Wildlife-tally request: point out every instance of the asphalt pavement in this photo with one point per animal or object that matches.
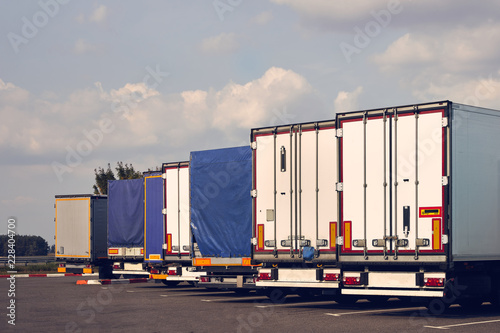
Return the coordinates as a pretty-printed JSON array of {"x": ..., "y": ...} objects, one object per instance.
[{"x": 50, "y": 305}]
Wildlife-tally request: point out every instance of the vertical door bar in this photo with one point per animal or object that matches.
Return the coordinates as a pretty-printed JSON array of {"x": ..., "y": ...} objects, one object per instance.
[
  {"x": 179, "y": 208},
  {"x": 416, "y": 183},
  {"x": 364, "y": 185},
  {"x": 291, "y": 193},
  {"x": 295, "y": 171},
  {"x": 317, "y": 184},
  {"x": 395, "y": 182},
  {"x": 275, "y": 193},
  {"x": 384, "y": 123},
  {"x": 299, "y": 171}
]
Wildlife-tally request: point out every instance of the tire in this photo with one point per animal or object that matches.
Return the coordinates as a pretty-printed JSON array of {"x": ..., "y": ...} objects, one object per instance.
[
  {"x": 170, "y": 283},
  {"x": 437, "y": 306}
]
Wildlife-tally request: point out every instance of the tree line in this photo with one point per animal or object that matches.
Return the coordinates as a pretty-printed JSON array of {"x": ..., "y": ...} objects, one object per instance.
[{"x": 24, "y": 246}]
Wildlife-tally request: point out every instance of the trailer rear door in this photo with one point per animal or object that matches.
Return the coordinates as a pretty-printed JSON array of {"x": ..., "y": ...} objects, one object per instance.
[
  {"x": 295, "y": 201},
  {"x": 393, "y": 179},
  {"x": 177, "y": 232},
  {"x": 153, "y": 217}
]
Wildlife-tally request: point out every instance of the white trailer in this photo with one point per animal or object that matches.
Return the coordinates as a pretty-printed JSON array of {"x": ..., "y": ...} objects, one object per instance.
[
  {"x": 80, "y": 231},
  {"x": 419, "y": 191},
  {"x": 295, "y": 205}
]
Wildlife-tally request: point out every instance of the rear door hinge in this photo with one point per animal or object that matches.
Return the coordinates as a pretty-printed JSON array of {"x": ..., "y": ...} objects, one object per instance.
[
  {"x": 339, "y": 187},
  {"x": 444, "y": 122},
  {"x": 253, "y": 145},
  {"x": 253, "y": 193},
  {"x": 444, "y": 180},
  {"x": 339, "y": 133}
]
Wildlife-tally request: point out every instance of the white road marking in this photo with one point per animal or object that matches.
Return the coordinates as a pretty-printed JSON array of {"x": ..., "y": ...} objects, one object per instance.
[
  {"x": 269, "y": 304},
  {"x": 445, "y": 327},
  {"x": 231, "y": 299},
  {"x": 373, "y": 311}
]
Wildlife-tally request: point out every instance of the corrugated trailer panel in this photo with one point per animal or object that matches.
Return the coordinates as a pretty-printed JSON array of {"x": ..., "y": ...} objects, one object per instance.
[
  {"x": 295, "y": 204},
  {"x": 153, "y": 217},
  {"x": 475, "y": 183},
  {"x": 177, "y": 231},
  {"x": 81, "y": 224}
]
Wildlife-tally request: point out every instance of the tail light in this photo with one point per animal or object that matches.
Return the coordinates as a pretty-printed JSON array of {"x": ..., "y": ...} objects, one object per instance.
[
  {"x": 331, "y": 277},
  {"x": 265, "y": 276},
  {"x": 172, "y": 272},
  {"x": 433, "y": 282},
  {"x": 204, "y": 279},
  {"x": 88, "y": 266},
  {"x": 351, "y": 281},
  {"x": 62, "y": 265},
  {"x": 116, "y": 266},
  {"x": 154, "y": 271}
]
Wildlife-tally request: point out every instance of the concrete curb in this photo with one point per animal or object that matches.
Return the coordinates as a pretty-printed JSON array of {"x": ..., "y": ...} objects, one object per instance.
[
  {"x": 47, "y": 275},
  {"x": 115, "y": 281}
]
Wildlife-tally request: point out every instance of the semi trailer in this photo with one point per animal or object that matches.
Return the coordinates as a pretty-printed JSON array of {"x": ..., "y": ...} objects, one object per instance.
[
  {"x": 220, "y": 217},
  {"x": 170, "y": 232},
  {"x": 80, "y": 232},
  {"x": 411, "y": 199},
  {"x": 126, "y": 226}
]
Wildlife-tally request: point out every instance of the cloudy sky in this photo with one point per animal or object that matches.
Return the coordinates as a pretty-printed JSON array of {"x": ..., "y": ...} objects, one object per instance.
[{"x": 87, "y": 83}]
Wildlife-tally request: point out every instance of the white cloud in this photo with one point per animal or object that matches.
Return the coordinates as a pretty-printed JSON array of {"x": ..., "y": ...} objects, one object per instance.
[
  {"x": 142, "y": 118},
  {"x": 221, "y": 44},
  {"x": 461, "y": 64},
  {"x": 82, "y": 46},
  {"x": 455, "y": 51},
  {"x": 263, "y": 18},
  {"x": 341, "y": 15},
  {"x": 248, "y": 105},
  {"x": 347, "y": 101},
  {"x": 99, "y": 14}
]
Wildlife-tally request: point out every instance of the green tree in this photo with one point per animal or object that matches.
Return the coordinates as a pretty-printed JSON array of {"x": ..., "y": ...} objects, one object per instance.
[
  {"x": 127, "y": 172},
  {"x": 101, "y": 179},
  {"x": 123, "y": 171},
  {"x": 24, "y": 245}
]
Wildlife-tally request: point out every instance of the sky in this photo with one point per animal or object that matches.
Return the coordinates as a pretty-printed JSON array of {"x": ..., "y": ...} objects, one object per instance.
[{"x": 87, "y": 83}]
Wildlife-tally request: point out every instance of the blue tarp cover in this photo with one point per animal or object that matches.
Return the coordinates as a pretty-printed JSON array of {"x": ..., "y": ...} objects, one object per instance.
[
  {"x": 153, "y": 215},
  {"x": 126, "y": 213},
  {"x": 221, "y": 205}
]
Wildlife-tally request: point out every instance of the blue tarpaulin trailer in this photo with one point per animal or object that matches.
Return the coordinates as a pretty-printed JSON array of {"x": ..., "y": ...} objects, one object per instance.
[
  {"x": 126, "y": 218},
  {"x": 221, "y": 205}
]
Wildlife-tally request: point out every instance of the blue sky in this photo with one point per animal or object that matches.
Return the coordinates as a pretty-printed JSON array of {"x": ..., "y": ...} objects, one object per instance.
[{"x": 87, "y": 83}]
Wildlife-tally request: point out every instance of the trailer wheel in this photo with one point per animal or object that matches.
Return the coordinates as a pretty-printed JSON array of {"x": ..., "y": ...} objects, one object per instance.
[
  {"x": 170, "y": 283},
  {"x": 276, "y": 295},
  {"x": 437, "y": 306}
]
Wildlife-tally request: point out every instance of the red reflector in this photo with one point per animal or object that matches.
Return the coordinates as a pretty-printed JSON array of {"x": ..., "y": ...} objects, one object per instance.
[
  {"x": 88, "y": 266},
  {"x": 331, "y": 277},
  {"x": 264, "y": 276},
  {"x": 434, "y": 282},
  {"x": 154, "y": 271},
  {"x": 204, "y": 279},
  {"x": 116, "y": 266},
  {"x": 172, "y": 272},
  {"x": 352, "y": 280},
  {"x": 62, "y": 265}
]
